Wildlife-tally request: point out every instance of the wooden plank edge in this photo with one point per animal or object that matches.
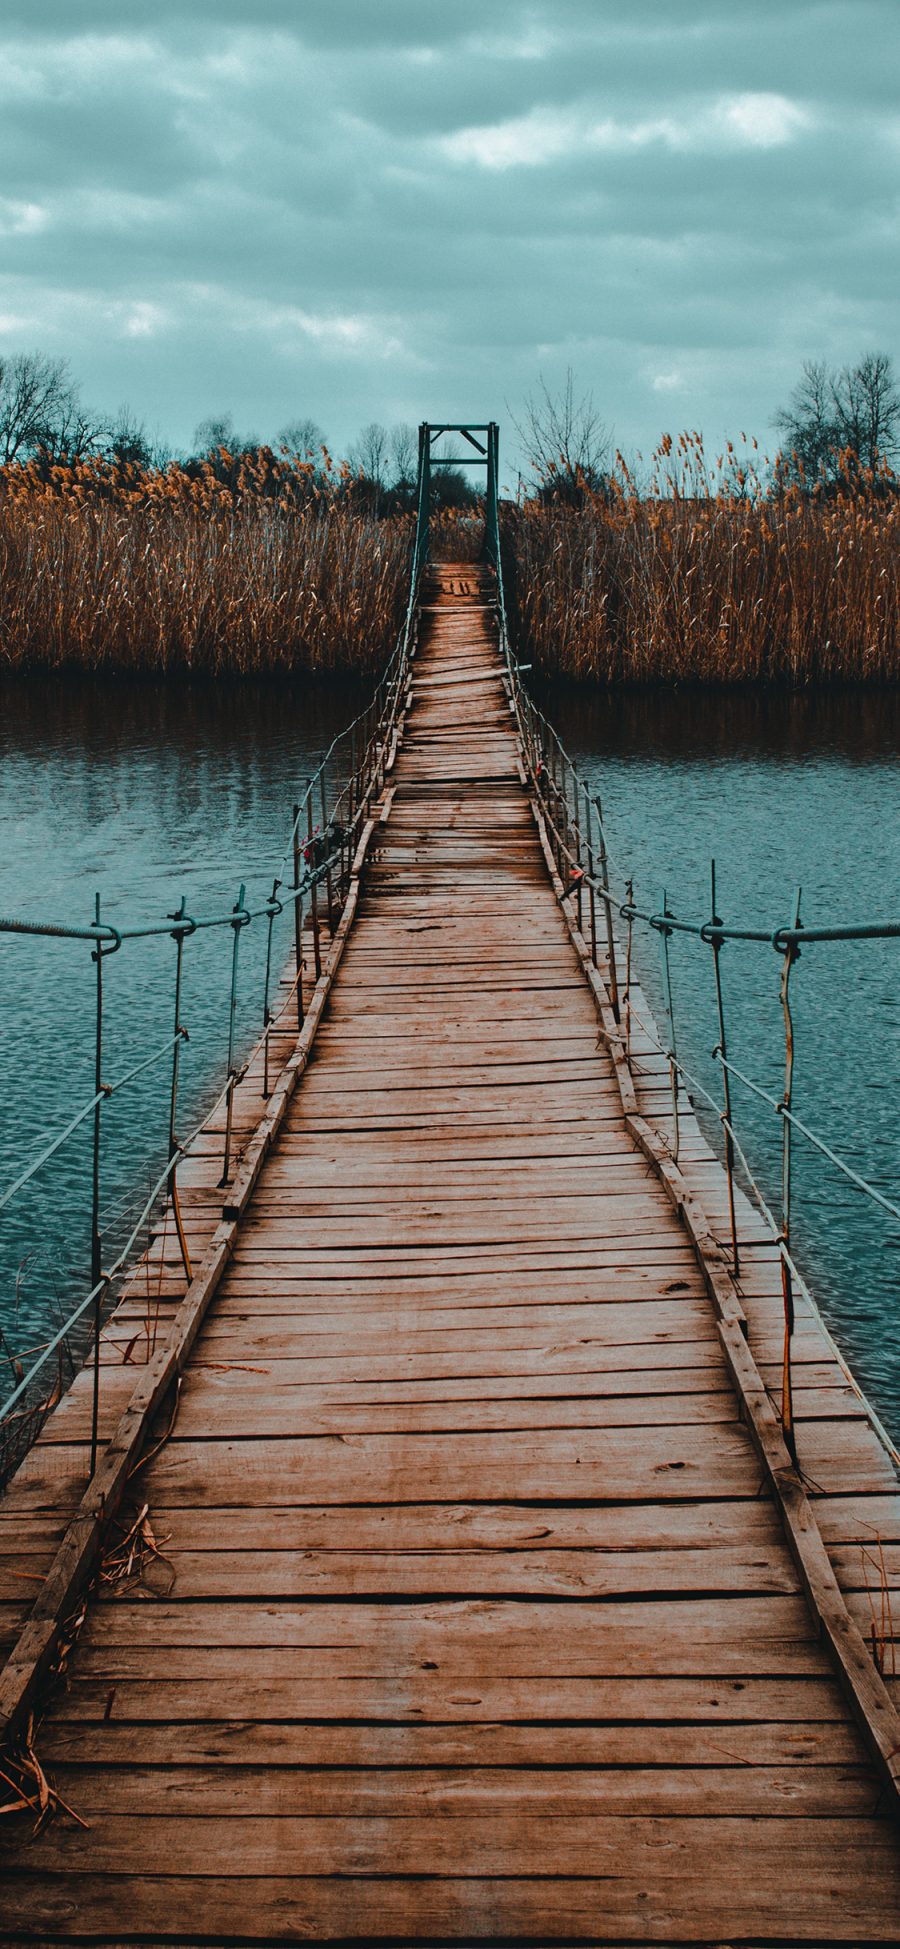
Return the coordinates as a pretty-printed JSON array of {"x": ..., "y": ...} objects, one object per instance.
[
  {"x": 260, "y": 1144},
  {"x": 862, "y": 1685},
  {"x": 75, "y": 1559}
]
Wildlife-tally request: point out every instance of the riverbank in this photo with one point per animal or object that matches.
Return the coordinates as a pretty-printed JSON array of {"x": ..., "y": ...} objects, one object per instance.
[
  {"x": 263, "y": 571},
  {"x": 790, "y": 591},
  {"x": 154, "y": 791},
  {"x": 183, "y": 574}
]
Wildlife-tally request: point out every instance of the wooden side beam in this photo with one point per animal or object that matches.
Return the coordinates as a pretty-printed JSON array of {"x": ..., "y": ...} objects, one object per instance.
[{"x": 863, "y": 1687}]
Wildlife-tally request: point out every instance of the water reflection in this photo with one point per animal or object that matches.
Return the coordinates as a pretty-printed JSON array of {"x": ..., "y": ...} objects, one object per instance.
[
  {"x": 147, "y": 793},
  {"x": 783, "y": 791},
  {"x": 144, "y": 794}
]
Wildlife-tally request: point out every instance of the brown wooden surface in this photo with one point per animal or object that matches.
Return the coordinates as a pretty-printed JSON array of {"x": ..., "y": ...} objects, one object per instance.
[{"x": 473, "y": 1618}]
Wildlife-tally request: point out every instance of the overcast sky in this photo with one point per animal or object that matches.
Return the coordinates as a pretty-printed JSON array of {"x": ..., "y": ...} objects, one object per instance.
[{"x": 396, "y": 210}]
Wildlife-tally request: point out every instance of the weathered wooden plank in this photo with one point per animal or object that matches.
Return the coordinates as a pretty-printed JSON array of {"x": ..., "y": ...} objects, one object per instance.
[
  {"x": 402, "y": 1468},
  {"x": 786, "y": 1695},
  {"x": 745, "y": 1742},
  {"x": 482, "y": 1624},
  {"x": 651, "y": 1790},
  {"x": 510, "y": 1843},
  {"x": 264, "y": 1572},
  {"x": 471, "y": 1635},
  {"x": 664, "y": 1898}
]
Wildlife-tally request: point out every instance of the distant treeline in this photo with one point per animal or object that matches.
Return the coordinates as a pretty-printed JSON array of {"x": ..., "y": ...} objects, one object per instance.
[
  {"x": 721, "y": 587},
  {"x": 257, "y": 567},
  {"x": 246, "y": 559},
  {"x": 243, "y": 570},
  {"x": 45, "y": 425}
]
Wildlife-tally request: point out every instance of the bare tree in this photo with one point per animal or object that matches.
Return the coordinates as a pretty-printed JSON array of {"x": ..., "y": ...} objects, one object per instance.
[
  {"x": 404, "y": 455},
  {"x": 563, "y": 439},
  {"x": 40, "y": 410},
  {"x": 214, "y": 433},
  {"x": 867, "y": 409},
  {"x": 125, "y": 439},
  {"x": 808, "y": 422},
  {"x": 369, "y": 453},
  {"x": 829, "y": 413},
  {"x": 303, "y": 439},
  {"x": 450, "y": 487}
]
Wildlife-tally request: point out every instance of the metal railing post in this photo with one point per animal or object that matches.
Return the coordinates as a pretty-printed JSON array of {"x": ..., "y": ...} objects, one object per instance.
[
  {"x": 181, "y": 919},
  {"x": 96, "y": 1251},
  {"x": 314, "y": 885},
  {"x": 589, "y": 854},
  {"x": 240, "y": 916},
  {"x": 298, "y": 917},
  {"x": 329, "y": 890},
  {"x": 791, "y": 954},
  {"x": 575, "y": 845},
  {"x": 722, "y": 1052},
  {"x": 275, "y": 907},
  {"x": 423, "y": 509},
  {"x": 610, "y": 932},
  {"x": 664, "y": 935}
]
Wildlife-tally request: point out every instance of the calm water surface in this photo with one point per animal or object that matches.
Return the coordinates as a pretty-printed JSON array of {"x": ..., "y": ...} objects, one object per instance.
[
  {"x": 146, "y": 795},
  {"x": 783, "y": 792}
]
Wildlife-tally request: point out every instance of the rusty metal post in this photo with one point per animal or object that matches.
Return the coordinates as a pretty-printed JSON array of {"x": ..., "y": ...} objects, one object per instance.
[
  {"x": 96, "y": 1248},
  {"x": 553, "y": 794},
  {"x": 715, "y": 940},
  {"x": 629, "y": 942},
  {"x": 182, "y": 926},
  {"x": 532, "y": 751},
  {"x": 567, "y": 827},
  {"x": 367, "y": 756},
  {"x": 791, "y": 954},
  {"x": 576, "y": 843},
  {"x": 314, "y": 887},
  {"x": 610, "y": 933},
  {"x": 589, "y": 855},
  {"x": 664, "y": 934},
  {"x": 298, "y": 916},
  {"x": 275, "y": 907},
  {"x": 326, "y": 841},
  {"x": 240, "y": 917}
]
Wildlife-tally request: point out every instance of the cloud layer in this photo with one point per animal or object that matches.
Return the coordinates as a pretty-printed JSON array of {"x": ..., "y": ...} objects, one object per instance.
[{"x": 394, "y": 211}]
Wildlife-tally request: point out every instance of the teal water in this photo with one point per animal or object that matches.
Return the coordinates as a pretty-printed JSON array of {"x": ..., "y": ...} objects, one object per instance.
[
  {"x": 783, "y": 791},
  {"x": 141, "y": 794},
  {"x": 146, "y": 794}
]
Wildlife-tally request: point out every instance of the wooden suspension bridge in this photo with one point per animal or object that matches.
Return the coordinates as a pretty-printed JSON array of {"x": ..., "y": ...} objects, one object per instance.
[{"x": 463, "y": 1588}]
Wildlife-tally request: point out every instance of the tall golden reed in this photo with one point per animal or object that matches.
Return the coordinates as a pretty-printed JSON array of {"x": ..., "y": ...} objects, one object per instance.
[
  {"x": 139, "y": 569},
  {"x": 704, "y": 576}
]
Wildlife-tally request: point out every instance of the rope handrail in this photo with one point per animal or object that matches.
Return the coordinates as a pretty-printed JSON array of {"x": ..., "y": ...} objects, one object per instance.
[
  {"x": 102, "y": 1285},
  {"x": 778, "y": 936},
  {"x": 321, "y": 855},
  {"x": 664, "y": 922},
  {"x": 812, "y": 1136},
  {"x": 569, "y": 810},
  {"x": 106, "y": 1090}
]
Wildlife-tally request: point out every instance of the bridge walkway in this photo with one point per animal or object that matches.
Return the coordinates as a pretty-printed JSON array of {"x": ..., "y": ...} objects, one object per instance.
[{"x": 472, "y": 1617}]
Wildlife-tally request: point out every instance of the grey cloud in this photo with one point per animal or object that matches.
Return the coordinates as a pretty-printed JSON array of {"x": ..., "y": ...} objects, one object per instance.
[{"x": 274, "y": 211}]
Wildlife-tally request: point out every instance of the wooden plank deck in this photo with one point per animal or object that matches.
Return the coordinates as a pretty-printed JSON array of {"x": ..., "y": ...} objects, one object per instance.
[{"x": 475, "y": 1619}]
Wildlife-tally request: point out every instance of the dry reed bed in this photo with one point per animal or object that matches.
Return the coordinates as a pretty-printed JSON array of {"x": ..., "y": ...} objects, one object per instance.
[
  {"x": 135, "y": 570},
  {"x": 641, "y": 589},
  {"x": 258, "y": 564}
]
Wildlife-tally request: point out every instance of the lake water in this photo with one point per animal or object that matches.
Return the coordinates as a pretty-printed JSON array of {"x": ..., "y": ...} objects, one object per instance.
[
  {"x": 143, "y": 794},
  {"x": 783, "y": 791},
  {"x": 146, "y": 795}
]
